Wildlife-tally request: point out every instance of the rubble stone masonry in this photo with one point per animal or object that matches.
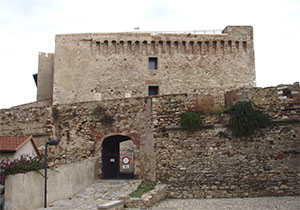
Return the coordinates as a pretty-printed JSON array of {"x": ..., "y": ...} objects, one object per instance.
[
  {"x": 35, "y": 121},
  {"x": 198, "y": 164}
]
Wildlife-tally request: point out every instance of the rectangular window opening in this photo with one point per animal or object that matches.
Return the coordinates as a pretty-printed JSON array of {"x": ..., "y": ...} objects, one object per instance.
[
  {"x": 153, "y": 90},
  {"x": 152, "y": 63}
]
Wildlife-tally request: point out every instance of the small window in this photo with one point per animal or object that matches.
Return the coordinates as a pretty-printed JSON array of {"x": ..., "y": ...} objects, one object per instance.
[
  {"x": 152, "y": 63},
  {"x": 153, "y": 90}
]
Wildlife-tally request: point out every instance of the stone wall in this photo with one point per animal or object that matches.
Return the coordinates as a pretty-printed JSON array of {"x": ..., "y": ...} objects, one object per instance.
[
  {"x": 35, "y": 121},
  {"x": 101, "y": 66},
  {"x": 203, "y": 164},
  {"x": 281, "y": 102},
  {"x": 199, "y": 164},
  {"x": 82, "y": 127}
]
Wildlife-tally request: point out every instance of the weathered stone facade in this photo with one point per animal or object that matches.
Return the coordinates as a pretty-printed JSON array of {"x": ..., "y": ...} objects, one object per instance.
[
  {"x": 199, "y": 164},
  {"x": 35, "y": 121},
  {"x": 102, "y": 66},
  {"x": 82, "y": 127}
]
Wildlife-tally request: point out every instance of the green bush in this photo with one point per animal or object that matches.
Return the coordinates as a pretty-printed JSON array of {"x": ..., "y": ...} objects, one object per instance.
[
  {"x": 245, "y": 119},
  {"x": 24, "y": 164},
  {"x": 191, "y": 121}
]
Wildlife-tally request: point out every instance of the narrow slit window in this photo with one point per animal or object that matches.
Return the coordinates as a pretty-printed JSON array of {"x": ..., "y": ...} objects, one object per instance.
[
  {"x": 98, "y": 47},
  {"x": 192, "y": 47},
  {"x": 145, "y": 47},
  {"x": 237, "y": 45},
  {"x": 207, "y": 46},
  {"x": 129, "y": 46},
  {"x": 122, "y": 46},
  {"x": 245, "y": 46},
  {"x": 230, "y": 45},
  {"x": 153, "y": 90},
  {"x": 215, "y": 46},
  {"x": 199, "y": 47},
  {"x": 106, "y": 46},
  {"x": 169, "y": 47},
  {"x": 222, "y": 46},
  {"x": 152, "y": 63},
  {"x": 137, "y": 47},
  {"x": 176, "y": 46},
  {"x": 114, "y": 46}
]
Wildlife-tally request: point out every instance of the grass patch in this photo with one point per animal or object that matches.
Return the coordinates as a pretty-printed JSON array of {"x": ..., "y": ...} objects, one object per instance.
[{"x": 143, "y": 188}]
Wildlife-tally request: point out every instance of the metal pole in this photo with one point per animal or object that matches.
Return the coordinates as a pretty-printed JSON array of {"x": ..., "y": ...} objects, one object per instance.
[{"x": 45, "y": 192}]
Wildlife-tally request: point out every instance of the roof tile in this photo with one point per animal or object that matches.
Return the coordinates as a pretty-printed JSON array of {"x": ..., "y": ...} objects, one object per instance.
[{"x": 14, "y": 143}]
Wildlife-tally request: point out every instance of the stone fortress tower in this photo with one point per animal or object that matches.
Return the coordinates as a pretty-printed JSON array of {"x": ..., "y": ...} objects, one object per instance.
[{"x": 102, "y": 66}]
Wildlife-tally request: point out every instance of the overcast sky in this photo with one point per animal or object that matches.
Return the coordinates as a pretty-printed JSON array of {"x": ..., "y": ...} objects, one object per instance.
[{"x": 29, "y": 26}]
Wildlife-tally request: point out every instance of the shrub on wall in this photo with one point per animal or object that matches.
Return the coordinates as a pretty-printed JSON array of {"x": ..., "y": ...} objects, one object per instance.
[
  {"x": 191, "y": 121},
  {"x": 245, "y": 119}
]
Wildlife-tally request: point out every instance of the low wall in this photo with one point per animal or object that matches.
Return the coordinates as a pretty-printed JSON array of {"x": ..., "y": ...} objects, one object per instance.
[
  {"x": 147, "y": 200},
  {"x": 26, "y": 191}
]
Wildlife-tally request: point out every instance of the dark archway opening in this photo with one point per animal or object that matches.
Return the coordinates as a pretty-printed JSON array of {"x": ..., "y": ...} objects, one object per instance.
[{"x": 111, "y": 159}]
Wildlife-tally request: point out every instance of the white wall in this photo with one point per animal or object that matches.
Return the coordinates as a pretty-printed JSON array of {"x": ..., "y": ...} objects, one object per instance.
[
  {"x": 27, "y": 149},
  {"x": 26, "y": 191}
]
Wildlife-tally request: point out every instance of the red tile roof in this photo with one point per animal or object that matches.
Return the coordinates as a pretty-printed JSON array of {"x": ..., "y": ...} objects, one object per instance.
[{"x": 14, "y": 143}]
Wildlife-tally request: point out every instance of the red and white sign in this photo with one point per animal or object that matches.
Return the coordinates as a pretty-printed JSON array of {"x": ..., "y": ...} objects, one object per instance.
[{"x": 125, "y": 160}]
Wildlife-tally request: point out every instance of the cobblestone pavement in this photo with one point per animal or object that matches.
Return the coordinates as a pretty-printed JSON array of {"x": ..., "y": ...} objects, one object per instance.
[
  {"x": 261, "y": 203},
  {"x": 106, "y": 190},
  {"x": 99, "y": 192}
]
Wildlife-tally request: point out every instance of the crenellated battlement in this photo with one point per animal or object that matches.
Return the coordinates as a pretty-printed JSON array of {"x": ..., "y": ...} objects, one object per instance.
[
  {"x": 231, "y": 40},
  {"x": 192, "y": 47}
]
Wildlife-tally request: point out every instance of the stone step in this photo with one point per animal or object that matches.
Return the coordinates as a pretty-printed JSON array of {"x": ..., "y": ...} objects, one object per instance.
[{"x": 112, "y": 205}]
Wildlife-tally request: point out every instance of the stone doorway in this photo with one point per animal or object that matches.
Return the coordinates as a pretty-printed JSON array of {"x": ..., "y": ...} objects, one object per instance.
[{"x": 115, "y": 149}]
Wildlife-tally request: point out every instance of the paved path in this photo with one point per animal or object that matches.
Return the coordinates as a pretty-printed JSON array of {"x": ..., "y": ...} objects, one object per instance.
[
  {"x": 99, "y": 192},
  {"x": 262, "y": 203},
  {"x": 105, "y": 190}
]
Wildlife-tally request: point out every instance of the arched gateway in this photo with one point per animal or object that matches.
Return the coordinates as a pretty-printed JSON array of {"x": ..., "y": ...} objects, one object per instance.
[{"x": 117, "y": 157}]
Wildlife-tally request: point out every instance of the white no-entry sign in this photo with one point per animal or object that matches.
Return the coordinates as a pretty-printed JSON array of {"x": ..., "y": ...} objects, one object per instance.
[{"x": 125, "y": 160}]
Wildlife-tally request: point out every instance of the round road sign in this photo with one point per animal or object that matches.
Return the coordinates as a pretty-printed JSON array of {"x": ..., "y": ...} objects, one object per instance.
[{"x": 125, "y": 160}]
